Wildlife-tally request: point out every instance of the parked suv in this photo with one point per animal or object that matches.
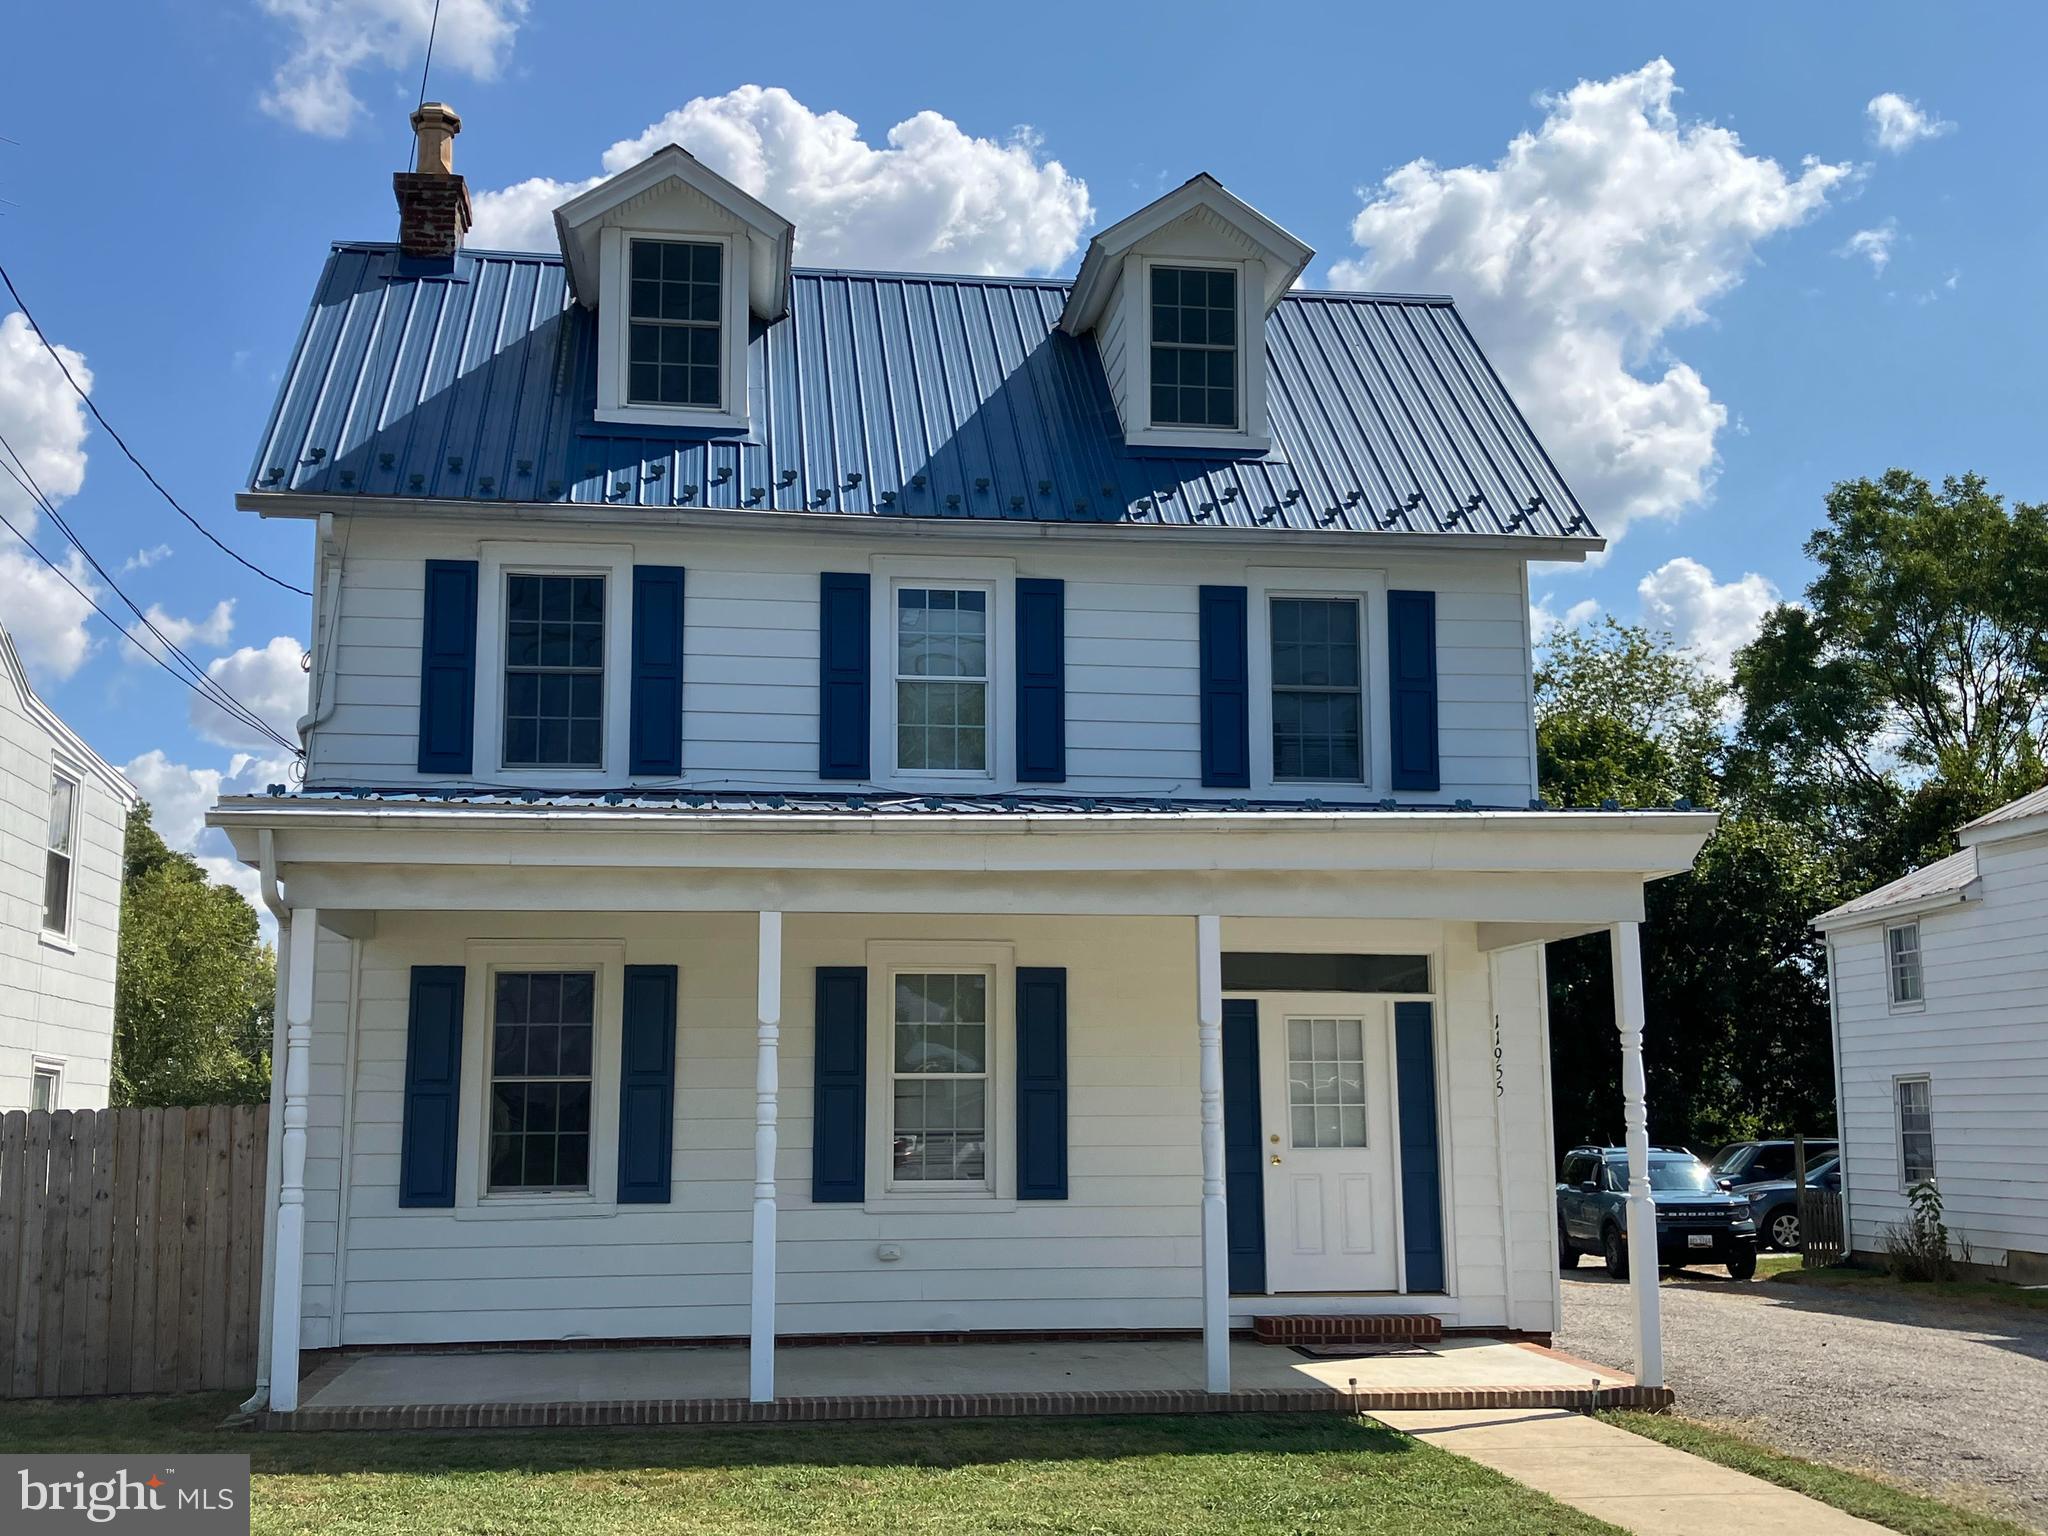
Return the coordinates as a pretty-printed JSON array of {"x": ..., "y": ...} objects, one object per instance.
[
  {"x": 1697, "y": 1220},
  {"x": 1743, "y": 1163},
  {"x": 1776, "y": 1204}
]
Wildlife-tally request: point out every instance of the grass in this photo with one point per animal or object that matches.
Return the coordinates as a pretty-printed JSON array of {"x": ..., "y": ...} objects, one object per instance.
[
  {"x": 1877, "y": 1280},
  {"x": 1118, "y": 1477},
  {"x": 1881, "y": 1503}
]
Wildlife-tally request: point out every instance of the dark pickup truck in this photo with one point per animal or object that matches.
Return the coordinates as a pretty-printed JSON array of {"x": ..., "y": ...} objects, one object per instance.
[{"x": 1698, "y": 1222}]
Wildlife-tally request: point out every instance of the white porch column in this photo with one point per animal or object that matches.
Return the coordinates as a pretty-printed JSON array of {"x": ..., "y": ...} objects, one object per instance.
[
  {"x": 1215, "y": 1225},
  {"x": 289, "y": 1263},
  {"x": 767, "y": 1037},
  {"x": 1626, "y": 942}
]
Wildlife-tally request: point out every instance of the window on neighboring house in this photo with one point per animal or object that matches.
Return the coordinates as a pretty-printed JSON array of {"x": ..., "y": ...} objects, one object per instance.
[
  {"x": 1916, "y": 1130},
  {"x": 939, "y": 1077},
  {"x": 942, "y": 680},
  {"x": 59, "y": 853},
  {"x": 542, "y": 1024},
  {"x": 1902, "y": 954},
  {"x": 46, "y": 1089},
  {"x": 674, "y": 324},
  {"x": 554, "y": 671},
  {"x": 1194, "y": 347},
  {"x": 1318, "y": 711}
]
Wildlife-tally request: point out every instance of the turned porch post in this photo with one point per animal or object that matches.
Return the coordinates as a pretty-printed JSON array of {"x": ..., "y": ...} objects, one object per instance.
[
  {"x": 767, "y": 1036},
  {"x": 1626, "y": 939},
  {"x": 288, "y": 1266},
  {"x": 1215, "y": 1226}
]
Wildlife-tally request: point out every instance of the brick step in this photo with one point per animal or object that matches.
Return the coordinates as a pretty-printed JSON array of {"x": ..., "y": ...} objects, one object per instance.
[{"x": 1383, "y": 1328}]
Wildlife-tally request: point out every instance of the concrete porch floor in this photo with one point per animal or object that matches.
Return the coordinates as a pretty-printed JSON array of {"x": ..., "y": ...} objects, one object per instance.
[{"x": 708, "y": 1384}]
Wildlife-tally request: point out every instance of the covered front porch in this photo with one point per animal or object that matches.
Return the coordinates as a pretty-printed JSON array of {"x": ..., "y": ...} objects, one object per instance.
[
  {"x": 1153, "y": 928},
  {"x": 881, "y": 1380}
]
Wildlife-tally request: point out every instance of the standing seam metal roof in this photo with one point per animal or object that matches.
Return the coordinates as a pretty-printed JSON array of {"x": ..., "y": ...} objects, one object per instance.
[{"x": 895, "y": 395}]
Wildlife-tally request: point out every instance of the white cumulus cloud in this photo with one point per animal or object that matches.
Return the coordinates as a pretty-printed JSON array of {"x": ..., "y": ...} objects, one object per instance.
[
  {"x": 269, "y": 680},
  {"x": 1874, "y": 245},
  {"x": 44, "y": 421},
  {"x": 1575, "y": 256},
  {"x": 212, "y": 631},
  {"x": 331, "y": 40},
  {"x": 1715, "y": 618},
  {"x": 931, "y": 197},
  {"x": 1898, "y": 124},
  {"x": 143, "y": 559},
  {"x": 1545, "y": 620}
]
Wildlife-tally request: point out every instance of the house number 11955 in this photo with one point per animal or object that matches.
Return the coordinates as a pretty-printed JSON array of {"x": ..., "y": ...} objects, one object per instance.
[{"x": 1500, "y": 1076}]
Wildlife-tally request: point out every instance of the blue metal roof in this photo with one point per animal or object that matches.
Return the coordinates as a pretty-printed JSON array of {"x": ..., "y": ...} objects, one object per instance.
[
  {"x": 888, "y": 803},
  {"x": 897, "y": 395}
]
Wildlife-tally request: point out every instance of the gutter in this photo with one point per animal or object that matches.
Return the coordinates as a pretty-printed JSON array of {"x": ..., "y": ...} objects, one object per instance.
[{"x": 811, "y": 525}]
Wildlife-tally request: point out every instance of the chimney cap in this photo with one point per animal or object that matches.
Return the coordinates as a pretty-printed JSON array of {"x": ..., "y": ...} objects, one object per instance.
[
  {"x": 434, "y": 125},
  {"x": 437, "y": 113}
]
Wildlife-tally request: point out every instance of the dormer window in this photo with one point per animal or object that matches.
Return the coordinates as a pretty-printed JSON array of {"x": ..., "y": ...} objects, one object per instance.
[
  {"x": 676, "y": 323},
  {"x": 1194, "y": 347}
]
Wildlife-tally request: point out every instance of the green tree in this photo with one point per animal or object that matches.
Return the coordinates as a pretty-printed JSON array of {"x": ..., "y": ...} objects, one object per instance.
[
  {"x": 1625, "y": 715},
  {"x": 1909, "y": 692},
  {"x": 194, "y": 983}
]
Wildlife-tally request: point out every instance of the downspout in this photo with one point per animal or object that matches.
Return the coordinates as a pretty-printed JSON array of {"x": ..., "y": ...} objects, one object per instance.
[
  {"x": 329, "y": 609},
  {"x": 280, "y": 911}
]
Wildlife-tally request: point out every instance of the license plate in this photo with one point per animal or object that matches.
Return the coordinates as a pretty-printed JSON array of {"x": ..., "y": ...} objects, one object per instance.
[{"x": 1699, "y": 1239}]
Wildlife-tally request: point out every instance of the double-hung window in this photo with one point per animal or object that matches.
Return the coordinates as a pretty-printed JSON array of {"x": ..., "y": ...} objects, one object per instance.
[
  {"x": 46, "y": 1089},
  {"x": 1915, "y": 1098},
  {"x": 59, "y": 853},
  {"x": 939, "y": 1078},
  {"x": 1194, "y": 347},
  {"x": 675, "y": 324},
  {"x": 1902, "y": 965},
  {"x": 1318, "y": 689},
  {"x": 942, "y": 679},
  {"x": 543, "y": 1025},
  {"x": 554, "y": 671}
]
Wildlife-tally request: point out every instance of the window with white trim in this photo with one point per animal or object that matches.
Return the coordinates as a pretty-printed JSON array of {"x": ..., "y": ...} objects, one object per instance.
[
  {"x": 939, "y": 1054},
  {"x": 46, "y": 1085},
  {"x": 1318, "y": 688},
  {"x": 1915, "y": 1097},
  {"x": 1902, "y": 964},
  {"x": 59, "y": 856},
  {"x": 543, "y": 1035},
  {"x": 941, "y": 650},
  {"x": 554, "y": 671},
  {"x": 1194, "y": 347},
  {"x": 675, "y": 323}
]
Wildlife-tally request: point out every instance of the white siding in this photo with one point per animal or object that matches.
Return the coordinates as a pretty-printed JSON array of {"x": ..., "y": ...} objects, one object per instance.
[
  {"x": 750, "y": 695},
  {"x": 56, "y": 1000},
  {"x": 1123, "y": 1251},
  {"x": 1981, "y": 1040}
]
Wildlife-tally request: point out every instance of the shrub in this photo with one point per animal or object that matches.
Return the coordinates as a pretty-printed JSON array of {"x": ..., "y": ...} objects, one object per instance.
[{"x": 1919, "y": 1249}]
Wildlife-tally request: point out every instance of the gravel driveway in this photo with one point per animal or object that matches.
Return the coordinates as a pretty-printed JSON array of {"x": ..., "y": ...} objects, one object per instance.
[{"x": 1948, "y": 1397}]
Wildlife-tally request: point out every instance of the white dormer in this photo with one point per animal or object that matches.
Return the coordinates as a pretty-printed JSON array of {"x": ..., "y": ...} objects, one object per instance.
[
  {"x": 675, "y": 259},
  {"x": 1177, "y": 296}
]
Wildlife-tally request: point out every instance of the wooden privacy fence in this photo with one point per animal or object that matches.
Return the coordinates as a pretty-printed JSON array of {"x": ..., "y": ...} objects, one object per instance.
[
  {"x": 131, "y": 1249},
  {"x": 1821, "y": 1240}
]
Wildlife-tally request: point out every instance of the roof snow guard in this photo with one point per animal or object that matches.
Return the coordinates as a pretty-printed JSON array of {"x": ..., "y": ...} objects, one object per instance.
[{"x": 893, "y": 395}]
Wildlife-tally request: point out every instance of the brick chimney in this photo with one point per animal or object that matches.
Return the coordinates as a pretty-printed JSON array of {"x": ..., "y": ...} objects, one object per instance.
[{"x": 433, "y": 202}]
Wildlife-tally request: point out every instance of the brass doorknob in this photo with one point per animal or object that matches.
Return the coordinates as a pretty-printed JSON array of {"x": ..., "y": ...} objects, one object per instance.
[{"x": 1276, "y": 1159}]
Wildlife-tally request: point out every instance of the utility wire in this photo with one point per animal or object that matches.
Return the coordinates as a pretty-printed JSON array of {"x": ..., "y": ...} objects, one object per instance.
[
  {"x": 194, "y": 677},
  {"x": 432, "y": 27},
  {"x": 106, "y": 426}
]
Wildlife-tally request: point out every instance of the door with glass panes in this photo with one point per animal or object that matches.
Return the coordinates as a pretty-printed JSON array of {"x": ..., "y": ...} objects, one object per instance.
[{"x": 1326, "y": 1085}]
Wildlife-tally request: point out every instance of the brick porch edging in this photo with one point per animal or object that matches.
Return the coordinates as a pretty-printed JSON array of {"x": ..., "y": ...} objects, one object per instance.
[
  {"x": 945, "y": 1405},
  {"x": 1325, "y": 1328}
]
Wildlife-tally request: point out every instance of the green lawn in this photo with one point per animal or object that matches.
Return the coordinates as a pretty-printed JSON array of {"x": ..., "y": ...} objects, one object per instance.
[
  {"x": 1876, "y": 1280},
  {"x": 1881, "y": 1503},
  {"x": 1279, "y": 1473}
]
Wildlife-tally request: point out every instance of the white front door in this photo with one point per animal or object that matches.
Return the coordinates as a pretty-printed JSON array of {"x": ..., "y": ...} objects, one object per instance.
[{"x": 1326, "y": 1080}]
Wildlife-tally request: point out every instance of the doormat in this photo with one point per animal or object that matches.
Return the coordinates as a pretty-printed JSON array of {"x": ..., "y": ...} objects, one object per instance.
[{"x": 1364, "y": 1351}]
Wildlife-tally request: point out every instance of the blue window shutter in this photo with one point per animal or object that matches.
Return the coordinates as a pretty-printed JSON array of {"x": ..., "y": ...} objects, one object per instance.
[
  {"x": 1041, "y": 680},
  {"x": 657, "y": 712},
  {"x": 448, "y": 668},
  {"x": 1422, "y": 1212},
  {"x": 433, "y": 1087},
  {"x": 1411, "y": 670},
  {"x": 1226, "y": 689},
  {"x": 1041, "y": 1082},
  {"x": 647, "y": 1084},
  {"x": 1244, "y": 1159},
  {"x": 839, "y": 1114},
  {"x": 843, "y": 675}
]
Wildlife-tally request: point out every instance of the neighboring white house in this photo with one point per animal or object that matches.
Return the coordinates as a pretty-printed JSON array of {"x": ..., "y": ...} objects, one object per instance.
[
  {"x": 847, "y": 803},
  {"x": 63, "y": 823},
  {"x": 1940, "y": 987}
]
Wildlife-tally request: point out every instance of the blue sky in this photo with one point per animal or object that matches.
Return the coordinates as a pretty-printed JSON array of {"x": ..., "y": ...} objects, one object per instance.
[{"x": 1725, "y": 258}]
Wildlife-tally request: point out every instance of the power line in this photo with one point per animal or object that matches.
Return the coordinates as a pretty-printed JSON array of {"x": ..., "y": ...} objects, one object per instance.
[
  {"x": 199, "y": 680},
  {"x": 86, "y": 597},
  {"x": 106, "y": 426},
  {"x": 432, "y": 27}
]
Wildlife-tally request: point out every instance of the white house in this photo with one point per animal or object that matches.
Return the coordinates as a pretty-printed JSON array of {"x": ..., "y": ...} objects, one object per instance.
[
  {"x": 1940, "y": 988},
  {"x": 63, "y": 824},
  {"x": 880, "y": 804}
]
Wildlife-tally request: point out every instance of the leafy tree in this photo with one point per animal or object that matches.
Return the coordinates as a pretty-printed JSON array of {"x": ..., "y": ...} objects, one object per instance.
[
  {"x": 194, "y": 983},
  {"x": 1625, "y": 715}
]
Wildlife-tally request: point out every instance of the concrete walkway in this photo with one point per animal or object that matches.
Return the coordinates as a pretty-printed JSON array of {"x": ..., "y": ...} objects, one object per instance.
[{"x": 1625, "y": 1479}]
